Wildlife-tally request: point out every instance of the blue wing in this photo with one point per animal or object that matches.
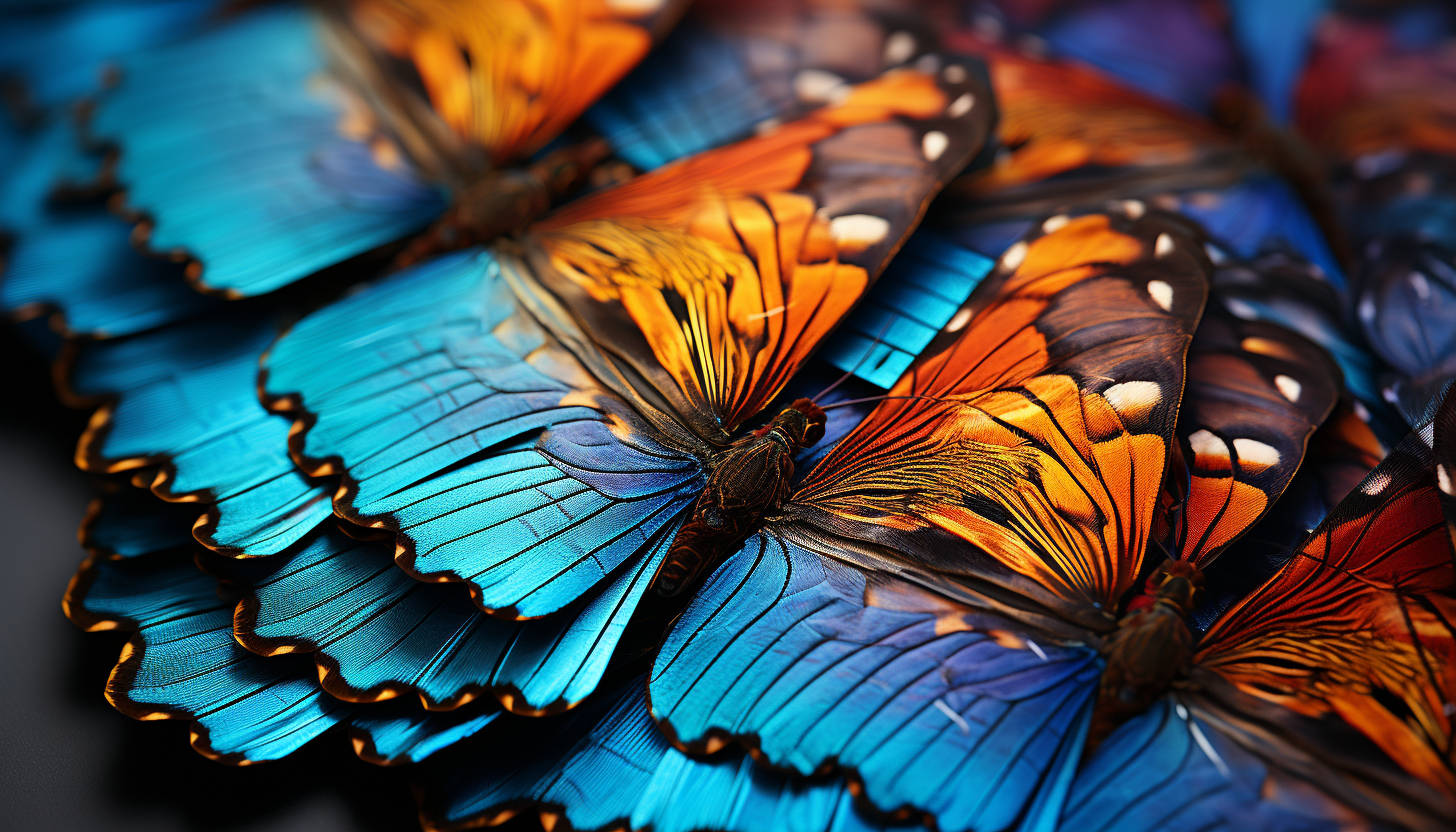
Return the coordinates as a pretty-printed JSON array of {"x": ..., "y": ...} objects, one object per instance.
[
  {"x": 605, "y": 765},
  {"x": 183, "y": 397},
  {"x": 183, "y": 663},
  {"x": 820, "y": 663},
  {"x": 435, "y": 415},
  {"x": 244, "y": 155},
  {"x": 1168, "y": 769},
  {"x": 379, "y": 632},
  {"x": 58, "y": 53},
  {"x": 1274, "y": 40},
  {"x": 77, "y": 261},
  {"x": 1173, "y": 49},
  {"x": 129, "y": 521},
  {"x": 921, "y": 289}
]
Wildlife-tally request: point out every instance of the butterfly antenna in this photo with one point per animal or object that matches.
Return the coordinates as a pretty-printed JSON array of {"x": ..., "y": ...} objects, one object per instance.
[
  {"x": 879, "y": 336},
  {"x": 886, "y": 397}
]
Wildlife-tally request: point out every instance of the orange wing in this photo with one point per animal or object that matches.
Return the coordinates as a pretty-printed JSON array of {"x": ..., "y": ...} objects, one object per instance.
[
  {"x": 1056, "y": 117},
  {"x": 1361, "y": 623},
  {"x": 1256, "y": 393},
  {"x": 701, "y": 287},
  {"x": 1037, "y": 425},
  {"x": 509, "y": 75}
]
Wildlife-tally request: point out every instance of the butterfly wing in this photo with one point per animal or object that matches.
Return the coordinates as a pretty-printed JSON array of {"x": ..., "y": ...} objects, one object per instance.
[
  {"x": 1041, "y": 415},
  {"x": 711, "y": 280},
  {"x": 1256, "y": 392},
  {"x": 850, "y": 631},
  {"x": 1359, "y": 624},
  {"x": 501, "y": 78},
  {"x": 246, "y": 157}
]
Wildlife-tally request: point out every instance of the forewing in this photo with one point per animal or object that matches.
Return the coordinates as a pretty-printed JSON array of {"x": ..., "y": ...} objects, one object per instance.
[
  {"x": 704, "y": 285},
  {"x": 505, "y": 77},
  {"x": 1026, "y": 447},
  {"x": 1360, "y": 624},
  {"x": 1256, "y": 393}
]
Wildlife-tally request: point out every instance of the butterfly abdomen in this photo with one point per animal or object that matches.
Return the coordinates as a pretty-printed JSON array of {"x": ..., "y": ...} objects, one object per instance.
[
  {"x": 1151, "y": 647},
  {"x": 746, "y": 483}
]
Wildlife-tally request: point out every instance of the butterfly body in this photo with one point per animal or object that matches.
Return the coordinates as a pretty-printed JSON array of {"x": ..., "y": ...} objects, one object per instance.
[
  {"x": 747, "y": 481},
  {"x": 1151, "y": 647}
]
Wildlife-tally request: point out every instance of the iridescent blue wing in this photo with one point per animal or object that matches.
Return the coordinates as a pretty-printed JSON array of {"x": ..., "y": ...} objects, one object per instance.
[
  {"x": 435, "y": 415},
  {"x": 377, "y": 633},
  {"x": 1405, "y": 299},
  {"x": 605, "y": 765},
  {"x": 1174, "y": 49},
  {"x": 1172, "y": 768},
  {"x": 1274, "y": 40},
  {"x": 245, "y": 156},
  {"x": 183, "y": 663},
  {"x": 75, "y": 262},
  {"x": 931, "y": 705},
  {"x": 57, "y": 54},
  {"x": 731, "y": 68},
  {"x": 127, "y": 522},
  {"x": 182, "y": 398},
  {"x": 921, "y": 290}
]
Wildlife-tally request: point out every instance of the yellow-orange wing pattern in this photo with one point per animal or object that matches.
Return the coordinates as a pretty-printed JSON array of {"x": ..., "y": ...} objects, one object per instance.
[
  {"x": 507, "y": 76},
  {"x": 1037, "y": 426},
  {"x": 1361, "y": 623},
  {"x": 1057, "y": 117},
  {"x": 698, "y": 289}
]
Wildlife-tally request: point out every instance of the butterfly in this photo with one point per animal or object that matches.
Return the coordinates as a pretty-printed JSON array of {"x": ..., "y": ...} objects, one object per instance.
[{"x": 943, "y": 608}]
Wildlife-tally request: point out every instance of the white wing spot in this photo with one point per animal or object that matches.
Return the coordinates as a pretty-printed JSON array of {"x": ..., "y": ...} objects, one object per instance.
[
  {"x": 960, "y": 721},
  {"x": 1012, "y": 257},
  {"x": 1256, "y": 453},
  {"x": 1443, "y": 479},
  {"x": 1214, "y": 253},
  {"x": 859, "y": 229},
  {"x": 962, "y": 105},
  {"x": 1133, "y": 398},
  {"x": 960, "y": 320},
  {"x": 934, "y": 144},
  {"x": 954, "y": 74},
  {"x": 634, "y": 7},
  {"x": 1205, "y": 444},
  {"x": 1164, "y": 245},
  {"x": 1161, "y": 293},
  {"x": 1375, "y": 484},
  {"x": 1133, "y": 208},
  {"x": 899, "y": 48},
  {"x": 1289, "y": 387},
  {"x": 1181, "y": 711},
  {"x": 758, "y": 316},
  {"x": 1361, "y": 411},
  {"x": 1055, "y": 223},
  {"x": 818, "y": 85}
]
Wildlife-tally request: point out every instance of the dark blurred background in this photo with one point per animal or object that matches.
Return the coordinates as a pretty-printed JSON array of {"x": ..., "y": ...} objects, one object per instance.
[{"x": 69, "y": 762}]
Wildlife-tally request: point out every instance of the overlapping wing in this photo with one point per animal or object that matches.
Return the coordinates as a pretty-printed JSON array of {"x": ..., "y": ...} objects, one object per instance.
[
  {"x": 711, "y": 280},
  {"x": 505, "y": 76},
  {"x": 246, "y": 157},
  {"x": 1361, "y": 624},
  {"x": 1027, "y": 445},
  {"x": 1058, "y": 116},
  {"x": 1256, "y": 393},
  {"x": 183, "y": 663}
]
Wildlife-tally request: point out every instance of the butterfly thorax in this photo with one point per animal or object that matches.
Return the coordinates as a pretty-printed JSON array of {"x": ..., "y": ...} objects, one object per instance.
[
  {"x": 1151, "y": 647},
  {"x": 746, "y": 482},
  {"x": 502, "y": 202}
]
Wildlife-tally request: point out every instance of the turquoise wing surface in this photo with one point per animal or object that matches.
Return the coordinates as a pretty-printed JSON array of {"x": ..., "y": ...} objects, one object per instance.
[
  {"x": 606, "y": 766},
  {"x": 182, "y": 399},
  {"x": 246, "y": 157},
  {"x": 183, "y": 663},
  {"x": 377, "y": 633},
  {"x": 459, "y": 424},
  {"x": 931, "y": 706}
]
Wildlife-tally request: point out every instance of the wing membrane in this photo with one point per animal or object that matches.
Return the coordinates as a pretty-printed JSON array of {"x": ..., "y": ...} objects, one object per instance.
[{"x": 1036, "y": 427}]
